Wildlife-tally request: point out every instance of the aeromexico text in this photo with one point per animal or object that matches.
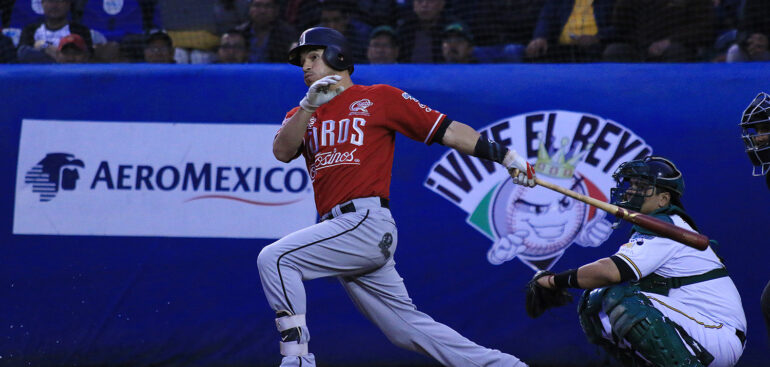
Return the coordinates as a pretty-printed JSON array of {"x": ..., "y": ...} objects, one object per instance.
[{"x": 199, "y": 177}]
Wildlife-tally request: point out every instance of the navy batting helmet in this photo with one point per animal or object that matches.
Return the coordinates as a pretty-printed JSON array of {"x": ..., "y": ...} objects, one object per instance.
[
  {"x": 336, "y": 54},
  {"x": 755, "y": 131},
  {"x": 642, "y": 174}
]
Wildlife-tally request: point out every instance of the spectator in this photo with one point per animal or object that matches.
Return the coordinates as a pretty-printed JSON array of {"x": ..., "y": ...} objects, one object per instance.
[
  {"x": 383, "y": 46},
  {"x": 229, "y": 14},
  {"x": 72, "y": 50},
  {"x": 457, "y": 46},
  {"x": 753, "y": 33},
  {"x": 233, "y": 48},
  {"x": 192, "y": 27},
  {"x": 421, "y": 31},
  {"x": 571, "y": 31},
  {"x": 39, "y": 40},
  {"x": 336, "y": 14},
  {"x": 7, "y": 50},
  {"x": 661, "y": 30},
  {"x": 270, "y": 38},
  {"x": 496, "y": 22},
  {"x": 727, "y": 13},
  {"x": 159, "y": 48}
]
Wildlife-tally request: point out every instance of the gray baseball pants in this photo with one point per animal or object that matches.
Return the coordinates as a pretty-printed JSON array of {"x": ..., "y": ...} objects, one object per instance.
[{"x": 357, "y": 248}]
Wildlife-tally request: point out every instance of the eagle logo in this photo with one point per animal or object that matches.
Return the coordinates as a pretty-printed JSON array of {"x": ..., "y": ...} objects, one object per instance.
[{"x": 53, "y": 173}]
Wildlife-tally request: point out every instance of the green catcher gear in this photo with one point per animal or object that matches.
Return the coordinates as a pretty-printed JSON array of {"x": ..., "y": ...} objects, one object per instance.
[{"x": 650, "y": 333}]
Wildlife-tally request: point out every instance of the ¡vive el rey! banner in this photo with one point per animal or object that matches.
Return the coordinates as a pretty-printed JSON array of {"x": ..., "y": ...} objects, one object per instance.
[
  {"x": 157, "y": 179},
  {"x": 575, "y": 150}
]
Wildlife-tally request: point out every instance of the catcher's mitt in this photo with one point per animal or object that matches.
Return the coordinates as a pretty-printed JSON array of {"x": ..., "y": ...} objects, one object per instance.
[{"x": 540, "y": 298}]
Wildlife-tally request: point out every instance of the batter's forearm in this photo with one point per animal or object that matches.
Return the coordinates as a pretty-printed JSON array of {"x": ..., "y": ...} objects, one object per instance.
[
  {"x": 465, "y": 140},
  {"x": 460, "y": 137},
  {"x": 289, "y": 139}
]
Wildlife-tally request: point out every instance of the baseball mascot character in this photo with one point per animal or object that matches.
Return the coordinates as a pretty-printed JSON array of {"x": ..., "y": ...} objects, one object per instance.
[
  {"x": 655, "y": 302},
  {"x": 346, "y": 133},
  {"x": 755, "y": 132}
]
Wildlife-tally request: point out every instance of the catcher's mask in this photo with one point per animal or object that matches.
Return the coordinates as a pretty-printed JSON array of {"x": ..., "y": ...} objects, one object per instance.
[
  {"x": 336, "y": 53},
  {"x": 755, "y": 131},
  {"x": 639, "y": 179}
]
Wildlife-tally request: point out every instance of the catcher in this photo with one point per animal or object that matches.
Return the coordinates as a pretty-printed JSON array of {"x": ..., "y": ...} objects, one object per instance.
[{"x": 654, "y": 302}]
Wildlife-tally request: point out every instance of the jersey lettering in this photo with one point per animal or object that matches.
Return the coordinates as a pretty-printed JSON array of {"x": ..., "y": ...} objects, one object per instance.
[
  {"x": 357, "y": 138},
  {"x": 343, "y": 131},
  {"x": 327, "y": 130},
  {"x": 337, "y": 132}
]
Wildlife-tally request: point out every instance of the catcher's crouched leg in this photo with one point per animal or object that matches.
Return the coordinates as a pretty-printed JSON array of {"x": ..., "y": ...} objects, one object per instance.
[
  {"x": 633, "y": 318},
  {"x": 588, "y": 314}
]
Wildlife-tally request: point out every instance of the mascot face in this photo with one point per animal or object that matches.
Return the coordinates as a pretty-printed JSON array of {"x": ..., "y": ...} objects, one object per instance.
[{"x": 550, "y": 219}]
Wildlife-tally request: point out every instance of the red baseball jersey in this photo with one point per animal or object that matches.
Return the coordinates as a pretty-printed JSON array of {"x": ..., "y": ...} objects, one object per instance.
[{"x": 349, "y": 142}]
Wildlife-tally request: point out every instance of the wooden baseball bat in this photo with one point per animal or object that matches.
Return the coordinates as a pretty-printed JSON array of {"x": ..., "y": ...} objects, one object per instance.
[{"x": 668, "y": 230}]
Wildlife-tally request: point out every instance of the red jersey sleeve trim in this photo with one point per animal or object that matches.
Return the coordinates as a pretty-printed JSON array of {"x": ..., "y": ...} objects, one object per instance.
[{"x": 433, "y": 129}]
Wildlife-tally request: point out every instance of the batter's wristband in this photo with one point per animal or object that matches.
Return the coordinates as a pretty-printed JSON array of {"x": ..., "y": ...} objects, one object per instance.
[
  {"x": 567, "y": 279},
  {"x": 490, "y": 150}
]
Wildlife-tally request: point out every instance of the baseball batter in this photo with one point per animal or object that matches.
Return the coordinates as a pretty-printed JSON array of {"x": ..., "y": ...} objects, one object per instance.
[
  {"x": 680, "y": 307},
  {"x": 346, "y": 133}
]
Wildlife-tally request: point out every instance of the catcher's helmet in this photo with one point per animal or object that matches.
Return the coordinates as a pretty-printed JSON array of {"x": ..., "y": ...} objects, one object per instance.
[
  {"x": 336, "y": 54},
  {"x": 642, "y": 174},
  {"x": 755, "y": 131}
]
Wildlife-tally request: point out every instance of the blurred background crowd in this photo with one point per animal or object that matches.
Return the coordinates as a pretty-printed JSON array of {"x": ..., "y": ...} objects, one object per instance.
[{"x": 386, "y": 31}]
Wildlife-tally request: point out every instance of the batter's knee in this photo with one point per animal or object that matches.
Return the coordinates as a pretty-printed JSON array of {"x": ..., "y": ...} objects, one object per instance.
[
  {"x": 403, "y": 340},
  {"x": 268, "y": 258}
]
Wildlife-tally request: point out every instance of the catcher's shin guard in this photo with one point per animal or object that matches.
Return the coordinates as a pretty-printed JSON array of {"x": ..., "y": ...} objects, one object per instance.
[
  {"x": 649, "y": 332},
  {"x": 290, "y": 327},
  {"x": 588, "y": 314}
]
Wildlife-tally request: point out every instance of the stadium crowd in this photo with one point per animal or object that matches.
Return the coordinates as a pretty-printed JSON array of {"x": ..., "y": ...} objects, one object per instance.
[{"x": 386, "y": 31}]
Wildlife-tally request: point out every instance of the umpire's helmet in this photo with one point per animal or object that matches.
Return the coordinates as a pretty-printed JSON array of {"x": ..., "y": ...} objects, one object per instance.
[
  {"x": 755, "y": 131},
  {"x": 337, "y": 53},
  {"x": 652, "y": 171}
]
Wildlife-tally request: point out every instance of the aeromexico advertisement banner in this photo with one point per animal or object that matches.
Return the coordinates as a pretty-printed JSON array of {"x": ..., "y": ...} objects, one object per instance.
[
  {"x": 156, "y": 179},
  {"x": 136, "y": 199}
]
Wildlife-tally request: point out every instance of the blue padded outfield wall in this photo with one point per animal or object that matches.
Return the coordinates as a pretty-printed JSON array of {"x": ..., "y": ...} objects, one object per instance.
[{"x": 135, "y": 200}]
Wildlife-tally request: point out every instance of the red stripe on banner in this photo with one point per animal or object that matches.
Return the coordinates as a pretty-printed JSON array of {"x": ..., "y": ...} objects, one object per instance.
[
  {"x": 241, "y": 200},
  {"x": 595, "y": 193}
]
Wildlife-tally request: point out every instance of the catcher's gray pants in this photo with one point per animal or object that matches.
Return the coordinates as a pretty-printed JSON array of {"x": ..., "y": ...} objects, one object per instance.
[{"x": 358, "y": 248}]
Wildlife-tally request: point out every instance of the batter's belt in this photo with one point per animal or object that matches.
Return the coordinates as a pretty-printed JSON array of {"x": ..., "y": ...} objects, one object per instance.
[{"x": 356, "y": 204}]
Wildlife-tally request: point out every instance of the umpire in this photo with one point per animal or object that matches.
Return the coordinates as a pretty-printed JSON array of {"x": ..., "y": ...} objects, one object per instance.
[{"x": 755, "y": 131}]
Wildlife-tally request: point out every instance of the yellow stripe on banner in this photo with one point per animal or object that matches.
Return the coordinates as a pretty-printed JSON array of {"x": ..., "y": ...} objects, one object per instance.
[
  {"x": 686, "y": 315},
  {"x": 632, "y": 263}
]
